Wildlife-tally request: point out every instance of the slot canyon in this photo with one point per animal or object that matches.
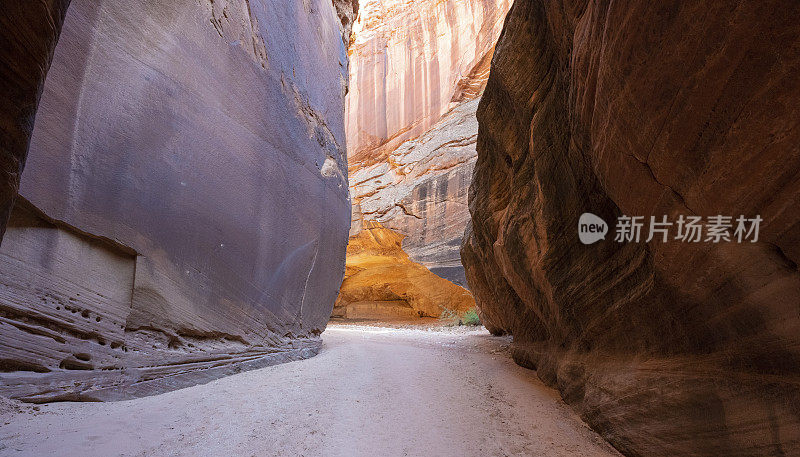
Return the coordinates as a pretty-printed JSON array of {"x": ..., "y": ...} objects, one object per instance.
[{"x": 358, "y": 227}]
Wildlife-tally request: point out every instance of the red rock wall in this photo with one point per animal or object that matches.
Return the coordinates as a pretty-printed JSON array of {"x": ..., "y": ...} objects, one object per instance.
[
  {"x": 647, "y": 108},
  {"x": 185, "y": 203}
]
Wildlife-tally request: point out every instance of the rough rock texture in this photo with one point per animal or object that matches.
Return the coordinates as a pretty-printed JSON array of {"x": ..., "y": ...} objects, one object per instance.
[
  {"x": 185, "y": 205},
  {"x": 421, "y": 191},
  {"x": 28, "y": 36},
  {"x": 647, "y": 108},
  {"x": 347, "y": 10},
  {"x": 410, "y": 62},
  {"x": 382, "y": 283}
]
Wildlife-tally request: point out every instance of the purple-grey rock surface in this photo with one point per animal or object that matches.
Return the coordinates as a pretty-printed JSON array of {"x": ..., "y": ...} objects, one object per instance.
[
  {"x": 184, "y": 209},
  {"x": 28, "y": 36}
]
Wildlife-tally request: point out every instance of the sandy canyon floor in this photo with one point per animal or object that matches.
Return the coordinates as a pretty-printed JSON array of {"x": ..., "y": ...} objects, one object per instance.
[{"x": 372, "y": 391}]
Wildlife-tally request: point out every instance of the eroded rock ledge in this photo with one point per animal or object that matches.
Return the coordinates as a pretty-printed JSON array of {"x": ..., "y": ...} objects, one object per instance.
[
  {"x": 647, "y": 108},
  {"x": 421, "y": 191},
  {"x": 185, "y": 203}
]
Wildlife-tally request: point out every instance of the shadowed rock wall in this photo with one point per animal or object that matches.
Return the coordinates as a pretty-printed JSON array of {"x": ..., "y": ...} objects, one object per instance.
[
  {"x": 647, "y": 108},
  {"x": 186, "y": 208},
  {"x": 28, "y": 35}
]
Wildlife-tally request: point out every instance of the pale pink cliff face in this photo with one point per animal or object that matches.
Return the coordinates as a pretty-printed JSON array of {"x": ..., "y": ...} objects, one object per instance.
[
  {"x": 412, "y": 61},
  {"x": 416, "y": 71}
]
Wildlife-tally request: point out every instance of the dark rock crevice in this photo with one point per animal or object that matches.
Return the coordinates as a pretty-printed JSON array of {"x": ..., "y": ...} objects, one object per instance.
[{"x": 29, "y": 32}]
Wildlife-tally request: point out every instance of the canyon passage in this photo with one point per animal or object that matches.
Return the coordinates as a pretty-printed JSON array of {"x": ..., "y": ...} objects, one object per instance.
[
  {"x": 370, "y": 391},
  {"x": 395, "y": 227}
]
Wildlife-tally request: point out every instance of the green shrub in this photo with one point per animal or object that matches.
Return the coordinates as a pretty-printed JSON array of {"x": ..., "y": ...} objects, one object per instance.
[
  {"x": 471, "y": 318},
  {"x": 452, "y": 318},
  {"x": 449, "y": 318}
]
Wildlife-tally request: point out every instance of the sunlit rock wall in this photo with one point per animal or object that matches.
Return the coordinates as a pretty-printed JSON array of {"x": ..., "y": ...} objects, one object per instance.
[
  {"x": 416, "y": 71},
  {"x": 647, "y": 108},
  {"x": 411, "y": 61},
  {"x": 185, "y": 206},
  {"x": 381, "y": 282},
  {"x": 421, "y": 191}
]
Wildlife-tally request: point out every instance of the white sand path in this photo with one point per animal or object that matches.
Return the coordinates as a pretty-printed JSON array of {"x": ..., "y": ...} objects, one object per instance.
[{"x": 370, "y": 392}]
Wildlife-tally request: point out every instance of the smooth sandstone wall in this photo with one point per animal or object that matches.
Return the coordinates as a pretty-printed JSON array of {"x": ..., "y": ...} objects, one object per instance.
[{"x": 186, "y": 203}]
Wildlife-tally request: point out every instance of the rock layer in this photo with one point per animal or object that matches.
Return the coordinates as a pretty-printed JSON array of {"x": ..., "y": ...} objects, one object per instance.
[
  {"x": 647, "y": 108},
  {"x": 421, "y": 191},
  {"x": 185, "y": 205}
]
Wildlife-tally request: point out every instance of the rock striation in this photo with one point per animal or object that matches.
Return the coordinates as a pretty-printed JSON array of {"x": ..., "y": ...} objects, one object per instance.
[
  {"x": 417, "y": 69},
  {"x": 647, "y": 109},
  {"x": 411, "y": 61},
  {"x": 184, "y": 209},
  {"x": 420, "y": 190}
]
